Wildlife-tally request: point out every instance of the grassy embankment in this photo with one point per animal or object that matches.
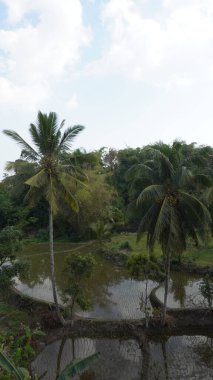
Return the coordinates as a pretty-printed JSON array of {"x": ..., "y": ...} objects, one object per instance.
[{"x": 202, "y": 256}]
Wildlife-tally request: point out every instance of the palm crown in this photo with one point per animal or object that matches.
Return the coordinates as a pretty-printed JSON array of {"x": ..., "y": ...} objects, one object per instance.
[
  {"x": 170, "y": 214},
  {"x": 54, "y": 179}
]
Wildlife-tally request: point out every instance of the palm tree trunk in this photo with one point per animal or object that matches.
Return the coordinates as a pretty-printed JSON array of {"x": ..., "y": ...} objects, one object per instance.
[
  {"x": 168, "y": 256},
  {"x": 146, "y": 303},
  {"x": 145, "y": 349},
  {"x": 52, "y": 267},
  {"x": 61, "y": 348},
  {"x": 166, "y": 369}
]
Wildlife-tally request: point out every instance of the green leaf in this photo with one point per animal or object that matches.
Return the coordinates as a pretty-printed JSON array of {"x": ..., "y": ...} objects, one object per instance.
[
  {"x": 78, "y": 366},
  {"x": 29, "y": 151},
  {"x": 9, "y": 366},
  {"x": 151, "y": 193},
  {"x": 68, "y": 137},
  {"x": 38, "y": 180}
]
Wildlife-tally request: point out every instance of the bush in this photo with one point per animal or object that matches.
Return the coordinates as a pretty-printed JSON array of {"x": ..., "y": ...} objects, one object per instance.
[
  {"x": 126, "y": 246},
  {"x": 43, "y": 234},
  {"x": 118, "y": 257}
]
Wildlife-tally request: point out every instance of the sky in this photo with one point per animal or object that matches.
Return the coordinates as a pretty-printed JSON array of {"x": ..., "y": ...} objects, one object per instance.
[{"x": 132, "y": 72}]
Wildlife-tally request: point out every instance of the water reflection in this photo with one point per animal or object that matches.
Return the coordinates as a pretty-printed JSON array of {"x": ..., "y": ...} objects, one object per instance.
[
  {"x": 170, "y": 358},
  {"x": 187, "y": 290},
  {"x": 119, "y": 359},
  {"x": 178, "y": 287},
  {"x": 114, "y": 295}
]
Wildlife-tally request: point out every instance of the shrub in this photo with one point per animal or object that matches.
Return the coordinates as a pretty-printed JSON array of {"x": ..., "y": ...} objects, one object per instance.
[{"x": 126, "y": 246}]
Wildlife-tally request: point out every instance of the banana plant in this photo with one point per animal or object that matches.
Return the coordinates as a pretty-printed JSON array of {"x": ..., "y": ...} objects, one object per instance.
[
  {"x": 18, "y": 373},
  {"x": 77, "y": 366}
]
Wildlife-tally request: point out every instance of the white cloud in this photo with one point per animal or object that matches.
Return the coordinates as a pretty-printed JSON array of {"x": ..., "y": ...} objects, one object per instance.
[
  {"x": 43, "y": 39},
  {"x": 174, "y": 47},
  {"x": 73, "y": 102},
  {"x": 22, "y": 96}
]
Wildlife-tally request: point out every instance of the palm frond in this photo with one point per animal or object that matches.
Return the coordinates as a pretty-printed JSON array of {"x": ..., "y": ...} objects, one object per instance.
[
  {"x": 74, "y": 171},
  {"x": 138, "y": 170},
  {"x": 147, "y": 221},
  {"x": 33, "y": 196},
  {"x": 195, "y": 215},
  {"x": 17, "y": 165},
  {"x": 163, "y": 219},
  {"x": 68, "y": 137},
  {"x": 184, "y": 177},
  {"x": 51, "y": 195},
  {"x": 25, "y": 146},
  {"x": 209, "y": 195},
  {"x": 69, "y": 180},
  {"x": 166, "y": 167},
  {"x": 69, "y": 198},
  {"x": 28, "y": 155},
  {"x": 38, "y": 180},
  {"x": 151, "y": 193},
  {"x": 66, "y": 191},
  {"x": 176, "y": 242},
  {"x": 35, "y": 135},
  {"x": 45, "y": 133}
]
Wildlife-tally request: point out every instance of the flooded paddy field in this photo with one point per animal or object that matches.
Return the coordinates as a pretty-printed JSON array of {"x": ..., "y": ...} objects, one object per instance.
[
  {"x": 174, "y": 358},
  {"x": 116, "y": 296},
  {"x": 113, "y": 293}
]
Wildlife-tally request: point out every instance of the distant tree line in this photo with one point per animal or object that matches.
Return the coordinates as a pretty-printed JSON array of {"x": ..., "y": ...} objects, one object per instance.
[{"x": 111, "y": 194}]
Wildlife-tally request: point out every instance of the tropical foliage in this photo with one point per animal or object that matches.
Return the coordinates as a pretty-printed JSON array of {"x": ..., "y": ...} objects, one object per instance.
[
  {"x": 162, "y": 191},
  {"x": 72, "y": 369},
  {"x": 53, "y": 181},
  {"x": 170, "y": 214},
  {"x": 78, "y": 269},
  {"x": 145, "y": 268}
]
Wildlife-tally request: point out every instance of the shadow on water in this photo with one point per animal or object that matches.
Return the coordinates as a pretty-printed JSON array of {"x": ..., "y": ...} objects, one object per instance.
[{"x": 168, "y": 358}]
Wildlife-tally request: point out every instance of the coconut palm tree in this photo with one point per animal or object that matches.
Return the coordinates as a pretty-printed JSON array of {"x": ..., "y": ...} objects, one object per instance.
[
  {"x": 170, "y": 215},
  {"x": 52, "y": 179}
]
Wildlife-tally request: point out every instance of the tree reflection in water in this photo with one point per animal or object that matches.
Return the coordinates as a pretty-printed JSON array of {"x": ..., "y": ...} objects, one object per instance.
[
  {"x": 179, "y": 282},
  {"x": 119, "y": 359},
  {"x": 171, "y": 358}
]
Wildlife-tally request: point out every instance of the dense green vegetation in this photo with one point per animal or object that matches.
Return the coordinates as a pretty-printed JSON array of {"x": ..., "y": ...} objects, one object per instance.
[
  {"x": 110, "y": 195},
  {"x": 202, "y": 256},
  {"x": 148, "y": 206}
]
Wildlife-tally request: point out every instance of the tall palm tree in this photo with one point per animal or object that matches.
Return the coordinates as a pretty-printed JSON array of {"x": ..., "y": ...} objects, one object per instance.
[
  {"x": 52, "y": 179},
  {"x": 170, "y": 215}
]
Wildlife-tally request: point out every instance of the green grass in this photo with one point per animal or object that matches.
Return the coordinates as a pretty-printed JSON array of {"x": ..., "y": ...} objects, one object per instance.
[
  {"x": 202, "y": 256},
  {"x": 139, "y": 247},
  {"x": 11, "y": 318}
]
